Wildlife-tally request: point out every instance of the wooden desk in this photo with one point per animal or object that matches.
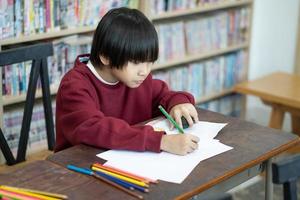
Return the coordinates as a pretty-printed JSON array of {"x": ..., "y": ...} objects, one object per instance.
[
  {"x": 47, "y": 176},
  {"x": 254, "y": 146},
  {"x": 282, "y": 92}
]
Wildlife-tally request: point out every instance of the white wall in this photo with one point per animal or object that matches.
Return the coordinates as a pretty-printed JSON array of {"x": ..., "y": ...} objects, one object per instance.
[{"x": 274, "y": 38}]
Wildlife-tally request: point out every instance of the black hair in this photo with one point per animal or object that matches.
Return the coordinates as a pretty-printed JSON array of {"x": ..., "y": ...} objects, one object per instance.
[{"x": 124, "y": 35}]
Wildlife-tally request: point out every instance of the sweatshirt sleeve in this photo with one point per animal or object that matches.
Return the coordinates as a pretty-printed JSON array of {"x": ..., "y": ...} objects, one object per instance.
[
  {"x": 161, "y": 95},
  {"x": 80, "y": 121}
]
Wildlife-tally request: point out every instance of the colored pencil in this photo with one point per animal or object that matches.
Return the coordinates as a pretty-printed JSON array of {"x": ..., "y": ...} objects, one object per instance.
[
  {"x": 50, "y": 194},
  {"x": 130, "y": 180},
  {"x": 91, "y": 173},
  {"x": 170, "y": 119},
  {"x": 16, "y": 196},
  {"x": 113, "y": 179},
  {"x": 30, "y": 194},
  {"x": 121, "y": 172},
  {"x": 4, "y": 197},
  {"x": 130, "y": 185},
  {"x": 116, "y": 180},
  {"x": 129, "y": 173}
]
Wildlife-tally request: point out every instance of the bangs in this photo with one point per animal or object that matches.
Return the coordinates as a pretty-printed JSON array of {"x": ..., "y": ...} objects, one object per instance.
[
  {"x": 144, "y": 47},
  {"x": 129, "y": 37}
]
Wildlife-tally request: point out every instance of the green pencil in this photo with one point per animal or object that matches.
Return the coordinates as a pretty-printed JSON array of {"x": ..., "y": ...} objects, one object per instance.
[{"x": 170, "y": 119}]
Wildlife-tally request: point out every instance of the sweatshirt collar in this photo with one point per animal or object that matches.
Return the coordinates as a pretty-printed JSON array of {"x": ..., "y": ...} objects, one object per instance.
[{"x": 93, "y": 70}]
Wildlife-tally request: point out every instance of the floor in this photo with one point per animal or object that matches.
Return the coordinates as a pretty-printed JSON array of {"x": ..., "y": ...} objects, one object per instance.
[{"x": 256, "y": 192}]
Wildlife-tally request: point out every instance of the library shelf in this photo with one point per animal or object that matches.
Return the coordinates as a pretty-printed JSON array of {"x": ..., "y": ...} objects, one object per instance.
[
  {"x": 200, "y": 56},
  {"x": 47, "y": 35},
  {"x": 198, "y": 10},
  {"x": 216, "y": 95},
  {"x": 15, "y": 99},
  {"x": 8, "y": 100}
]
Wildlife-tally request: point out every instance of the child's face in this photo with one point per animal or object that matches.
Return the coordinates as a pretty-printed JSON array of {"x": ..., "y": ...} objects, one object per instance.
[{"x": 133, "y": 74}]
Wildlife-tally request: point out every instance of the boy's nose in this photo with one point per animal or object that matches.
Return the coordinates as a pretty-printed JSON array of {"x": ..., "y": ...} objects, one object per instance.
[{"x": 143, "y": 71}]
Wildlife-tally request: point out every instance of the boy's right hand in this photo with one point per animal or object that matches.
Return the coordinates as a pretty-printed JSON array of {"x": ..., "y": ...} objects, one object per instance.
[{"x": 180, "y": 144}]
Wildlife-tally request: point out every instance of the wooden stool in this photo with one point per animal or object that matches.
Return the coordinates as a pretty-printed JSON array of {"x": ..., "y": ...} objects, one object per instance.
[{"x": 279, "y": 90}]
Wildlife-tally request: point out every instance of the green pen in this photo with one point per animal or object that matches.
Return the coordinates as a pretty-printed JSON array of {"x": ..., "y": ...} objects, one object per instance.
[{"x": 170, "y": 119}]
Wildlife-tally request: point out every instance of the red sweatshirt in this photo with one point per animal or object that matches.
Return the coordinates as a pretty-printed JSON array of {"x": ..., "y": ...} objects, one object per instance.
[{"x": 91, "y": 112}]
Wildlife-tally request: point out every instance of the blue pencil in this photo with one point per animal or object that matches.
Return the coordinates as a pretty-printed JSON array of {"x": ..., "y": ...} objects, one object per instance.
[
  {"x": 106, "y": 180},
  {"x": 129, "y": 185},
  {"x": 90, "y": 172}
]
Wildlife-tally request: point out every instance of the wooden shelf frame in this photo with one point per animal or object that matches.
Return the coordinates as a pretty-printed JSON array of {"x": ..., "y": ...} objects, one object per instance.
[
  {"x": 21, "y": 98},
  {"x": 198, "y": 10},
  {"x": 200, "y": 56},
  {"x": 216, "y": 95},
  {"x": 47, "y": 35},
  {"x": 8, "y": 100}
]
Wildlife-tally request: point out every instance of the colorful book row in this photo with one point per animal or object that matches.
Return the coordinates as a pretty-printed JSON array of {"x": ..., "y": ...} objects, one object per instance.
[
  {"x": 23, "y": 18},
  {"x": 207, "y": 77},
  {"x": 198, "y": 35}
]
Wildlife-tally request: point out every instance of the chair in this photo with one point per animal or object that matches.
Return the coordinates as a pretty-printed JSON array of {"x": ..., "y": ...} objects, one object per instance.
[
  {"x": 38, "y": 54},
  {"x": 286, "y": 172}
]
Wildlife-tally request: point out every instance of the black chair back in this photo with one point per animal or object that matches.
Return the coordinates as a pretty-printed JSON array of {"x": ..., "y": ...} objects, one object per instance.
[{"x": 38, "y": 53}]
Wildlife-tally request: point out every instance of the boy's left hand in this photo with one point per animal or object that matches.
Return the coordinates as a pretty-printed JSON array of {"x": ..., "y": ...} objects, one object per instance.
[{"x": 186, "y": 110}]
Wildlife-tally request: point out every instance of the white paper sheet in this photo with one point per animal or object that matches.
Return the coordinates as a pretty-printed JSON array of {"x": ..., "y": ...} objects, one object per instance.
[
  {"x": 166, "y": 166},
  {"x": 202, "y": 129}
]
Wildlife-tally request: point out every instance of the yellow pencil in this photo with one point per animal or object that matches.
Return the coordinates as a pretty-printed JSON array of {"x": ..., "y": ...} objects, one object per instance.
[
  {"x": 130, "y": 180},
  {"x": 28, "y": 193},
  {"x": 50, "y": 194}
]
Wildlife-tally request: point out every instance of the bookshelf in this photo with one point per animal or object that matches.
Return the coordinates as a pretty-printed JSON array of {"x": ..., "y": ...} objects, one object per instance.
[
  {"x": 200, "y": 56},
  {"x": 205, "y": 8},
  {"x": 163, "y": 17},
  {"x": 48, "y": 35},
  {"x": 214, "y": 96},
  {"x": 14, "y": 99}
]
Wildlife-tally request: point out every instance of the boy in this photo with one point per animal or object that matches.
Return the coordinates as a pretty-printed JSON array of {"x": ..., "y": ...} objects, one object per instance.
[{"x": 101, "y": 99}]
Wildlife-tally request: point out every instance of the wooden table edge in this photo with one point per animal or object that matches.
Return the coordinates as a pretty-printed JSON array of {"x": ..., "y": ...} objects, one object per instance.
[
  {"x": 261, "y": 94},
  {"x": 248, "y": 165}
]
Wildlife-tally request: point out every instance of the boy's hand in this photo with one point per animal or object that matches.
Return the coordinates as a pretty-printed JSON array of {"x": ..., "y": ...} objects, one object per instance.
[
  {"x": 180, "y": 144},
  {"x": 187, "y": 110}
]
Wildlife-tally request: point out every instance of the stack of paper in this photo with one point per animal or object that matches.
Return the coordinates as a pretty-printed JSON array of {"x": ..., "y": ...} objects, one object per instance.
[{"x": 166, "y": 166}]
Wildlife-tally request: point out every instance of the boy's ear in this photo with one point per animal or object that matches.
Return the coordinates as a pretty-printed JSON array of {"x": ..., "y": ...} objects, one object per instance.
[{"x": 104, "y": 60}]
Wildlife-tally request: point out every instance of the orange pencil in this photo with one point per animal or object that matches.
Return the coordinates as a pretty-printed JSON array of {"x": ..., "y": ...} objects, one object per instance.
[
  {"x": 124, "y": 173},
  {"x": 99, "y": 166},
  {"x": 16, "y": 196},
  {"x": 105, "y": 180}
]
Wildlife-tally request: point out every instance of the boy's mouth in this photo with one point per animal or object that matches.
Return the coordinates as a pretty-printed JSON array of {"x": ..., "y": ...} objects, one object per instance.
[{"x": 139, "y": 82}]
